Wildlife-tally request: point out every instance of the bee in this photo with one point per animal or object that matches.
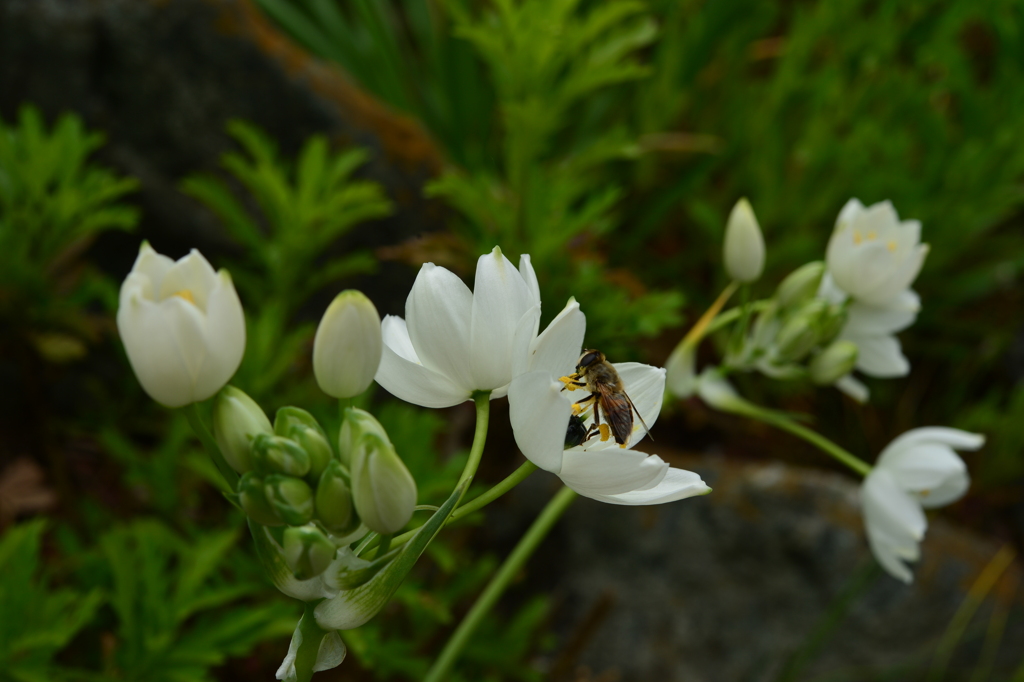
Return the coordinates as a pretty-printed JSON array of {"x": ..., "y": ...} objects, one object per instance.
[{"x": 595, "y": 374}]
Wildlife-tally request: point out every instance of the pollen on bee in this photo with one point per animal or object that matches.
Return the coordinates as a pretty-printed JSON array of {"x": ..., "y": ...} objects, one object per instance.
[
  {"x": 606, "y": 432},
  {"x": 577, "y": 408},
  {"x": 185, "y": 294},
  {"x": 570, "y": 383}
]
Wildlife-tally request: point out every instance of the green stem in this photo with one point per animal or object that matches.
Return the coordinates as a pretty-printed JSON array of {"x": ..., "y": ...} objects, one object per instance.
[
  {"x": 783, "y": 422},
  {"x": 212, "y": 449},
  {"x": 312, "y": 635},
  {"x": 511, "y": 481},
  {"x": 515, "y": 561},
  {"x": 740, "y": 330},
  {"x": 732, "y": 315},
  {"x": 483, "y": 406}
]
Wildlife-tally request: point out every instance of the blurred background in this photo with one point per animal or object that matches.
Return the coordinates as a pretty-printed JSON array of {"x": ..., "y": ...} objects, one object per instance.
[{"x": 316, "y": 145}]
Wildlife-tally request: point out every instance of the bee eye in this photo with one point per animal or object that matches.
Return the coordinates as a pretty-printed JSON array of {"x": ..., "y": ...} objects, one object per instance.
[{"x": 588, "y": 359}]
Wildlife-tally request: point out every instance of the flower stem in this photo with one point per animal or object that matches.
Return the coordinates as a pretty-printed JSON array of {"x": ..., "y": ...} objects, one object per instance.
[
  {"x": 515, "y": 561},
  {"x": 700, "y": 329},
  {"x": 510, "y": 481},
  {"x": 781, "y": 421},
  {"x": 483, "y": 406},
  {"x": 312, "y": 635},
  {"x": 212, "y": 449}
]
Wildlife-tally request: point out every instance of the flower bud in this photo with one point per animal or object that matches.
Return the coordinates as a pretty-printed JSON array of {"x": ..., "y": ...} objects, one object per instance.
[
  {"x": 254, "y": 500},
  {"x": 744, "y": 249},
  {"x": 301, "y": 427},
  {"x": 801, "y": 285},
  {"x": 290, "y": 497},
  {"x": 348, "y": 345},
  {"x": 833, "y": 363},
  {"x": 681, "y": 377},
  {"x": 277, "y": 455},
  {"x": 383, "y": 490},
  {"x": 355, "y": 423},
  {"x": 182, "y": 326},
  {"x": 307, "y": 552},
  {"x": 830, "y": 322},
  {"x": 334, "y": 499},
  {"x": 237, "y": 420},
  {"x": 796, "y": 338}
]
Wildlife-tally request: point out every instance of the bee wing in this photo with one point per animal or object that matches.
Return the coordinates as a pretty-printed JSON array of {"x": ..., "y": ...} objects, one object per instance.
[
  {"x": 647, "y": 429},
  {"x": 618, "y": 412}
]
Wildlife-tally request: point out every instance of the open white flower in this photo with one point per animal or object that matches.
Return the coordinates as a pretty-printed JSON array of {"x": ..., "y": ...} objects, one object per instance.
[
  {"x": 917, "y": 470},
  {"x": 454, "y": 342},
  {"x": 540, "y": 412},
  {"x": 872, "y": 256},
  {"x": 182, "y": 326}
]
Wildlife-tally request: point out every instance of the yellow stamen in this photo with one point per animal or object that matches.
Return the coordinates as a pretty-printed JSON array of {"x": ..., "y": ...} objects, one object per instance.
[
  {"x": 185, "y": 294},
  {"x": 872, "y": 235},
  {"x": 891, "y": 246},
  {"x": 857, "y": 237},
  {"x": 568, "y": 381},
  {"x": 606, "y": 433},
  {"x": 576, "y": 409}
]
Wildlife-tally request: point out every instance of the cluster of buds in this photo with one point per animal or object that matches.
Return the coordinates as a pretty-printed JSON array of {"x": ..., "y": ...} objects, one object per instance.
[{"x": 292, "y": 478}]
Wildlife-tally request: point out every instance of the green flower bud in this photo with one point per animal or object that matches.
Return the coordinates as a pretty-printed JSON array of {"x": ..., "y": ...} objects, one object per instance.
[
  {"x": 798, "y": 335},
  {"x": 307, "y": 552},
  {"x": 254, "y": 500},
  {"x": 830, "y": 322},
  {"x": 277, "y": 455},
  {"x": 290, "y": 497},
  {"x": 301, "y": 427},
  {"x": 383, "y": 490},
  {"x": 237, "y": 419},
  {"x": 348, "y": 346},
  {"x": 743, "y": 250},
  {"x": 334, "y": 500},
  {"x": 801, "y": 285},
  {"x": 354, "y": 425},
  {"x": 833, "y": 363}
]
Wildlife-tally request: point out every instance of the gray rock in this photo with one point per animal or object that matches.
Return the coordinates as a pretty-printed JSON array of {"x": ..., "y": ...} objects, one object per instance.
[
  {"x": 736, "y": 585},
  {"x": 162, "y": 77}
]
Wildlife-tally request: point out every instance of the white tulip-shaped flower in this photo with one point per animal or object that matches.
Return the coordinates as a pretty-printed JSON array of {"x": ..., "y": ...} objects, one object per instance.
[
  {"x": 182, "y": 326},
  {"x": 454, "y": 341},
  {"x": 872, "y": 256},
  {"x": 602, "y": 470},
  {"x": 917, "y": 470}
]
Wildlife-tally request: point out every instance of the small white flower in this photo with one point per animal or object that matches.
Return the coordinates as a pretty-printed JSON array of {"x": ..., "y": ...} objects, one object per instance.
[
  {"x": 743, "y": 247},
  {"x": 539, "y": 411},
  {"x": 182, "y": 326},
  {"x": 872, "y": 256},
  {"x": 917, "y": 470},
  {"x": 454, "y": 341},
  {"x": 347, "y": 346}
]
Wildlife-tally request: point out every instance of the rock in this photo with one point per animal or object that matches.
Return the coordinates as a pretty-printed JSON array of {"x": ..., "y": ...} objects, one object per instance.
[
  {"x": 162, "y": 77},
  {"x": 731, "y": 586}
]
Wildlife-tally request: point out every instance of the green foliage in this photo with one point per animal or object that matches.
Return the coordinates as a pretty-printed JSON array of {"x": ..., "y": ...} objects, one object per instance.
[
  {"x": 179, "y": 609},
  {"x": 303, "y": 208},
  {"x": 53, "y": 202},
  {"x": 38, "y": 619}
]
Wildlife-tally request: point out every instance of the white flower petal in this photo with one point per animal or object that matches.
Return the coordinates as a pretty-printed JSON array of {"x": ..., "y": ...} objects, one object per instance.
[
  {"x": 530, "y": 277},
  {"x": 954, "y": 438},
  {"x": 677, "y": 484},
  {"x": 522, "y": 340},
  {"x": 193, "y": 274},
  {"x": 395, "y": 335},
  {"x": 439, "y": 313},
  {"x": 853, "y": 388},
  {"x": 889, "y": 509},
  {"x": 898, "y": 279},
  {"x": 416, "y": 384},
  {"x": 153, "y": 351},
  {"x": 224, "y": 337},
  {"x": 500, "y": 299},
  {"x": 868, "y": 320},
  {"x": 610, "y": 471},
  {"x": 558, "y": 347},
  {"x": 880, "y": 356},
  {"x": 153, "y": 266},
  {"x": 924, "y": 467},
  {"x": 539, "y": 413}
]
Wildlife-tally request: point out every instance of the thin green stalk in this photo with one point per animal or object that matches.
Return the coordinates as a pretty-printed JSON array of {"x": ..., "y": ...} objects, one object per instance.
[
  {"x": 732, "y": 315},
  {"x": 813, "y": 437},
  {"x": 740, "y": 330},
  {"x": 481, "y": 501},
  {"x": 212, "y": 449},
  {"x": 487, "y": 599}
]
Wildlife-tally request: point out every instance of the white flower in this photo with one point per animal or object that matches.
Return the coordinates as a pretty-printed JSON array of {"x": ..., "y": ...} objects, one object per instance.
[
  {"x": 454, "y": 341},
  {"x": 347, "y": 347},
  {"x": 743, "y": 248},
  {"x": 917, "y": 470},
  {"x": 540, "y": 412},
  {"x": 182, "y": 326},
  {"x": 872, "y": 256}
]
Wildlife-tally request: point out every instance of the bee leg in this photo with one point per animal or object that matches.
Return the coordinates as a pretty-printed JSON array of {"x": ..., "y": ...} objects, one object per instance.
[
  {"x": 606, "y": 432},
  {"x": 584, "y": 403},
  {"x": 572, "y": 382}
]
